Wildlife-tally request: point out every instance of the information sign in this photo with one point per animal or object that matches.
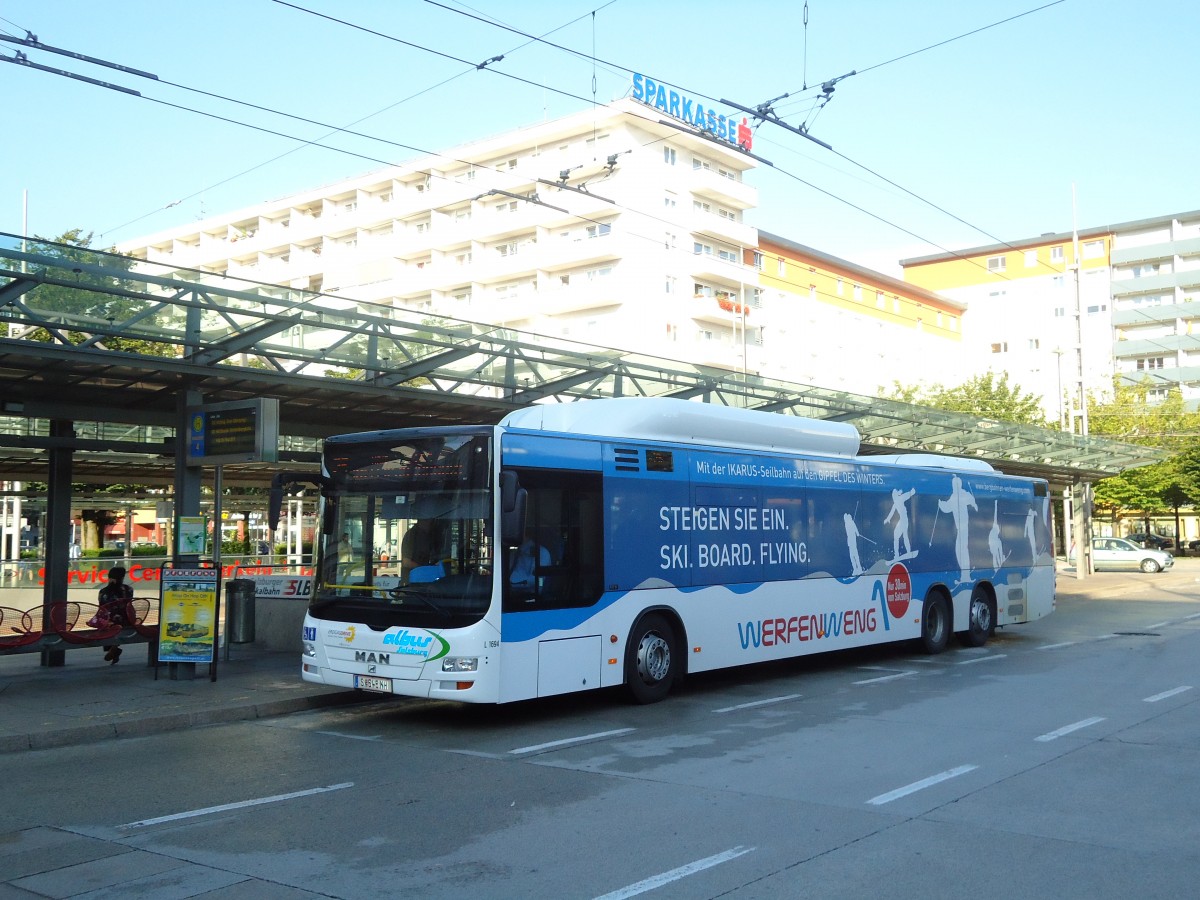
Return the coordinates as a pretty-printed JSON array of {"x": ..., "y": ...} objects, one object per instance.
[
  {"x": 187, "y": 617},
  {"x": 240, "y": 431}
]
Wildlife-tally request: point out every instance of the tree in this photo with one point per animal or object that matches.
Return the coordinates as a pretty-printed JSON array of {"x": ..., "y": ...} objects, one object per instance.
[
  {"x": 1130, "y": 415},
  {"x": 983, "y": 395},
  {"x": 86, "y": 304}
]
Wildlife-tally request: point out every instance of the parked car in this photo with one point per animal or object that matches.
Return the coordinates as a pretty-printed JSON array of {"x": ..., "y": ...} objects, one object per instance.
[
  {"x": 1194, "y": 545},
  {"x": 1119, "y": 553},
  {"x": 1156, "y": 541}
]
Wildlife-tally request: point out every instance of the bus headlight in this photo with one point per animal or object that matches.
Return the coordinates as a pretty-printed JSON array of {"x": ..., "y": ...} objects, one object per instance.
[
  {"x": 309, "y": 649},
  {"x": 460, "y": 664}
]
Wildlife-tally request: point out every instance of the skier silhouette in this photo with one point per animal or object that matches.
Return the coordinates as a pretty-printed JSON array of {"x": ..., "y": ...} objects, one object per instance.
[{"x": 900, "y": 533}]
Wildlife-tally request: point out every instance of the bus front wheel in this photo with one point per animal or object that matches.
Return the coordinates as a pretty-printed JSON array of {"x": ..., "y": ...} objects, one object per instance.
[
  {"x": 650, "y": 659},
  {"x": 935, "y": 624}
]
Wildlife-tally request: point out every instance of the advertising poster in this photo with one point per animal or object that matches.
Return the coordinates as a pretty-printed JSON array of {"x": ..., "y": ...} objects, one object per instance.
[
  {"x": 188, "y": 615},
  {"x": 192, "y": 534}
]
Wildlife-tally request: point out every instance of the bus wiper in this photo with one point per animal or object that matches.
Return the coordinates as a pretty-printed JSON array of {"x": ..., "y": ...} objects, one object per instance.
[{"x": 398, "y": 592}]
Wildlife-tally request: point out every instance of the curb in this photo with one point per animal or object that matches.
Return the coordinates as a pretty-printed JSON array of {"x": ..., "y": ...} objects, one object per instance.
[{"x": 86, "y": 734}]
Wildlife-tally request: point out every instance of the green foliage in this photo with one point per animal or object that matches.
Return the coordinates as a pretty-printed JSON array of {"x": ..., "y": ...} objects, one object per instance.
[
  {"x": 1129, "y": 415},
  {"x": 987, "y": 395},
  {"x": 80, "y": 299}
]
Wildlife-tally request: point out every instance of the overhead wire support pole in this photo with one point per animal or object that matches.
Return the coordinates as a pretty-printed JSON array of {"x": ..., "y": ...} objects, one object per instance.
[
  {"x": 21, "y": 60},
  {"x": 534, "y": 198},
  {"x": 578, "y": 190},
  {"x": 763, "y": 112},
  {"x": 33, "y": 43}
]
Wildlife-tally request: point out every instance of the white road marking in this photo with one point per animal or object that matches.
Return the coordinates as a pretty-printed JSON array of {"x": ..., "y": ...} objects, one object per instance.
[
  {"x": 353, "y": 737},
  {"x": 534, "y": 748},
  {"x": 242, "y": 804},
  {"x": 1056, "y": 646},
  {"x": 784, "y": 699},
  {"x": 1165, "y": 694},
  {"x": 657, "y": 881},
  {"x": 1158, "y": 625},
  {"x": 1067, "y": 729},
  {"x": 969, "y": 662},
  {"x": 920, "y": 785},
  {"x": 1193, "y": 615},
  {"x": 883, "y": 678}
]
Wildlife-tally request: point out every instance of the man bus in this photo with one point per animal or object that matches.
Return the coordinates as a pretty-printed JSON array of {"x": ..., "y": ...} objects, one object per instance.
[{"x": 672, "y": 537}]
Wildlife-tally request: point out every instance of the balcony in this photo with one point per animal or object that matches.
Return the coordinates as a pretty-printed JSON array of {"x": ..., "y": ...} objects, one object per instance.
[
  {"x": 712, "y": 186},
  {"x": 727, "y": 312},
  {"x": 721, "y": 228},
  {"x": 577, "y": 297},
  {"x": 710, "y": 267},
  {"x": 557, "y": 254}
]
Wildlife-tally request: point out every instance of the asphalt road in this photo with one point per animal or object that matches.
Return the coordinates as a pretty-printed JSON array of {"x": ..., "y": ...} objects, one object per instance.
[{"x": 1058, "y": 761}]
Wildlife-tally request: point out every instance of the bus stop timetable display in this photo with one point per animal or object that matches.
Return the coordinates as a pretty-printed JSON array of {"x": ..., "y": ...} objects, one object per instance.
[{"x": 220, "y": 433}]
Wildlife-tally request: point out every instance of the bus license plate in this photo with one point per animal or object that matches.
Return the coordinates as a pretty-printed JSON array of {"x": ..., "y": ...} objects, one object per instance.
[{"x": 371, "y": 683}]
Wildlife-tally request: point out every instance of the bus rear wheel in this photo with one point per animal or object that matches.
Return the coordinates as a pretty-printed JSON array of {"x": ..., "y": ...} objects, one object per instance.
[
  {"x": 935, "y": 623},
  {"x": 650, "y": 659},
  {"x": 980, "y": 620}
]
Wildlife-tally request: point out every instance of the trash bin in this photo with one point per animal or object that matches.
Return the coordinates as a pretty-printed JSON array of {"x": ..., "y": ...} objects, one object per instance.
[{"x": 239, "y": 611}]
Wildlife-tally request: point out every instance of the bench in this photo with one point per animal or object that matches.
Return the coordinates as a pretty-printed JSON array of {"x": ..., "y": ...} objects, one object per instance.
[{"x": 24, "y": 632}]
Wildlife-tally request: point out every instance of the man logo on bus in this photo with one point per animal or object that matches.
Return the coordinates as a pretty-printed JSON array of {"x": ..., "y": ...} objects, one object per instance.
[{"x": 899, "y": 591}]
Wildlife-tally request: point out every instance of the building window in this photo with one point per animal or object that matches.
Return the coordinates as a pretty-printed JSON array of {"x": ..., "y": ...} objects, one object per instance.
[
  {"x": 839, "y": 287},
  {"x": 671, "y": 280},
  {"x": 1034, "y": 344},
  {"x": 812, "y": 292},
  {"x": 670, "y": 241},
  {"x": 1097, "y": 308},
  {"x": 1150, "y": 362},
  {"x": 669, "y": 200},
  {"x": 896, "y": 304},
  {"x": 698, "y": 206},
  {"x": 598, "y": 230},
  {"x": 782, "y": 271},
  {"x": 1060, "y": 312},
  {"x": 1145, "y": 270},
  {"x": 997, "y": 263},
  {"x": 727, "y": 255},
  {"x": 1001, "y": 347},
  {"x": 699, "y": 162},
  {"x": 699, "y": 248},
  {"x": 507, "y": 249},
  {"x": 879, "y": 300},
  {"x": 1093, "y": 249},
  {"x": 726, "y": 214},
  {"x": 1056, "y": 254},
  {"x": 858, "y": 292},
  {"x": 509, "y": 207},
  {"x": 669, "y": 155},
  {"x": 1030, "y": 259},
  {"x": 758, "y": 260}
]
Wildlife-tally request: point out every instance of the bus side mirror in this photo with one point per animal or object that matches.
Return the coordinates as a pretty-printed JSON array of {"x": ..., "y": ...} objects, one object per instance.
[
  {"x": 513, "y": 499},
  {"x": 275, "y": 496}
]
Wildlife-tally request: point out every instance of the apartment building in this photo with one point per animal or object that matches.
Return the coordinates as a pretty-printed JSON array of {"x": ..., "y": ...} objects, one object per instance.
[
  {"x": 1132, "y": 311},
  {"x": 618, "y": 226},
  {"x": 851, "y": 328}
]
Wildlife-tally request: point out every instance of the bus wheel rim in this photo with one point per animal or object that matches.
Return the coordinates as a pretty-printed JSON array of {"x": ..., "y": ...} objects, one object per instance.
[{"x": 653, "y": 658}]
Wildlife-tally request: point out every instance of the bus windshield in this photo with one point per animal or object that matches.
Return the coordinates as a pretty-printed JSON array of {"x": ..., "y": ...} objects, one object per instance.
[{"x": 407, "y": 530}]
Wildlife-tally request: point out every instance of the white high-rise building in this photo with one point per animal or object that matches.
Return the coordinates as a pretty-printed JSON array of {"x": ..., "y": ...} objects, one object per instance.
[{"x": 610, "y": 227}]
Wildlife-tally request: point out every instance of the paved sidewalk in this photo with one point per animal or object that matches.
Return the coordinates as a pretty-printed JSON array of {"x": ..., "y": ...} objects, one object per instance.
[{"x": 87, "y": 699}]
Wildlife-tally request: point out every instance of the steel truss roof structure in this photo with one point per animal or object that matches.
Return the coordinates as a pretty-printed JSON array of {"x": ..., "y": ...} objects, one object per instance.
[{"x": 112, "y": 344}]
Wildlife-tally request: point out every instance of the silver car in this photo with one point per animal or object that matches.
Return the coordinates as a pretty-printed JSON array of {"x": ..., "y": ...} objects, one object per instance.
[{"x": 1118, "y": 553}]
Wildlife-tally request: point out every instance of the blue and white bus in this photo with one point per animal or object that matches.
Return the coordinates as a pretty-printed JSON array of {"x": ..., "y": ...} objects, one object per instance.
[{"x": 631, "y": 541}]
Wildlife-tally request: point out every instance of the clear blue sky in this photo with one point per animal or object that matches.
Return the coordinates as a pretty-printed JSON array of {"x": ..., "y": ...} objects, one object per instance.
[{"x": 993, "y": 127}]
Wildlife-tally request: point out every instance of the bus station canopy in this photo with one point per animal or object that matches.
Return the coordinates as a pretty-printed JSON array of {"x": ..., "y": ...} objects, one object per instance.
[{"x": 119, "y": 347}]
